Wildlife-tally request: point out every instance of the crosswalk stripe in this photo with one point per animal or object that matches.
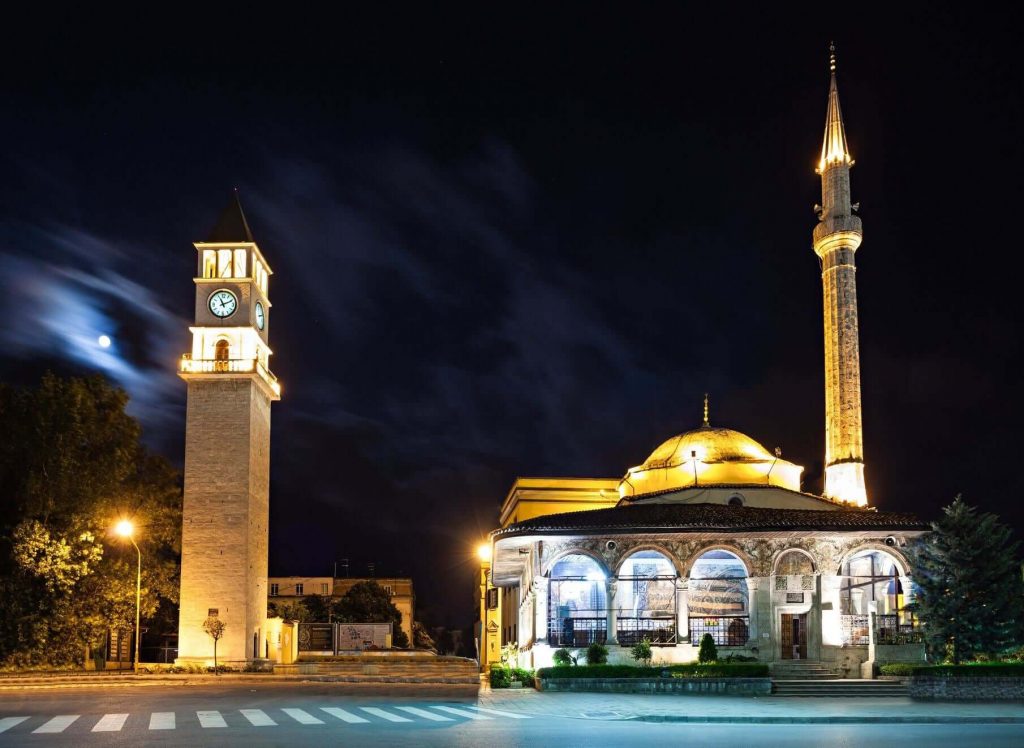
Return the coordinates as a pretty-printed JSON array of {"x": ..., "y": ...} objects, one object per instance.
[
  {"x": 258, "y": 718},
  {"x": 161, "y": 721},
  {"x": 376, "y": 712},
  {"x": 302, "y": 717},
  {"x": 8, "y": 722},
  {"x": 57, "y": 724},
  {"x": 500, "y": 713},
  {"x": 462, "y": 712},
  {"x": 344, "y": 716},
  {"x": 211, "y": 719},
  {"x": 110, "y": 723},
  {"x": 424, "y": 713}
]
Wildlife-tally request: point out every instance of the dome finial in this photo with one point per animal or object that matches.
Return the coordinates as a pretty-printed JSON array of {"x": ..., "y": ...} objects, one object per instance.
[
  {"x": 832, "y": 57},
  {"x": 706, "y": 422}
]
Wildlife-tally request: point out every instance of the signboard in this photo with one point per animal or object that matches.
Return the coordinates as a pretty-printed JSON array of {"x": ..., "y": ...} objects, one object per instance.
[
  {"x": 794, "y": 597},
  {"x": 316, "y": 637},
  {"x": 363, "y": 635}
]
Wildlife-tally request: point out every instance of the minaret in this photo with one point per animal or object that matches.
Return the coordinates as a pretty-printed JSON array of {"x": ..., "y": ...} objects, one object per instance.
[
  {"x": 224, "y": 534},
  {"x": 836, "y": 239}
]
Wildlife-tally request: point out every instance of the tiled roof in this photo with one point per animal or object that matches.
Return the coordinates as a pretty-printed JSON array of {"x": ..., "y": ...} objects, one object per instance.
[{"x": 711, "y": 518}]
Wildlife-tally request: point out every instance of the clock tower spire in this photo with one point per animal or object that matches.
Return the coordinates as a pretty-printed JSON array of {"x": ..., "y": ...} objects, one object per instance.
[{"x": 227, "y": 447}]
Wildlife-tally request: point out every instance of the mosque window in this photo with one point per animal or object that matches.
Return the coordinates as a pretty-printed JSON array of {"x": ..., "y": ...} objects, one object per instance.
[
  {"x": 645, "y": 599},
  {"x": 719, "y": 599},
  {"x": 736, "y": 500},
  {"x": 577, "y": 606},
  {"x": 873, "y": 576}
]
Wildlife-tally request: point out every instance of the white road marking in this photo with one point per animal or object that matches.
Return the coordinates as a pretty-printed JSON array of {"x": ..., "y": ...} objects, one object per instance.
[
  {"x": 424, "y": 713},
  {"x": 57, "y": 724},
  {"x": 8, "y": 722},
  {"x": 341, "y": 714},
  {"x": 211, "y": 719},
  {"x": 462, "y": 712},
  {"x": 258, "y": 718},
  {"x": 161, "y": 721},
  {"x": 110, "y": 723},
  {"x": 302, "y": 717},
  {"x": 500, "y": 713},
  {"x": 376, "y": 712}
]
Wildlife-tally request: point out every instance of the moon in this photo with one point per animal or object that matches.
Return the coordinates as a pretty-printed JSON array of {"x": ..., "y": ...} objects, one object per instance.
[{"x": 104, "y": 341}]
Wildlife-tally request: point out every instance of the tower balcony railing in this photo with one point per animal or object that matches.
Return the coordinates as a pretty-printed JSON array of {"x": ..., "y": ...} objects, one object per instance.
[{"x": 229, "y": 366}]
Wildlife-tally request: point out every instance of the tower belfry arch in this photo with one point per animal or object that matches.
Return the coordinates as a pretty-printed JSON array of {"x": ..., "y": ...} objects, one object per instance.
[{"x": 225, "y": 515}]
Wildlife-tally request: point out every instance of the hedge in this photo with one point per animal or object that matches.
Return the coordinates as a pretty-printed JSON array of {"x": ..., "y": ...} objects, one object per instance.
[
  {"x": 709, "y": 670},
  {"x": 971, "y": 670},
  {"x": 502, "y": 676}
]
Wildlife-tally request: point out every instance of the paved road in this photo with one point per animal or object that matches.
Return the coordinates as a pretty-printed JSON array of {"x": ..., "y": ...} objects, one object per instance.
[{"x": 316, "y": 715}]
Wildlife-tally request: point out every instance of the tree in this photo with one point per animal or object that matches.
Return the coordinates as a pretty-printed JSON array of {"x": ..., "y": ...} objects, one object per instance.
[
  {"x": 289, "y": 611},
  {"x": 708, "y": 652},
  {"x": 968, "y": 584},
  {"x": 318, "y": 608},
  {"x": 368, "y": 602},
  {"x": 71, "y": 465},
  {"x": 215, "y": 628},
  {"x": 597, "y": 654},
  {"x": 642, "y": 652}
]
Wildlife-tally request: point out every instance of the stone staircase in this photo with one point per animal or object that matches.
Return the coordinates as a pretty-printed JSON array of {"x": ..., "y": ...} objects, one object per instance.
[
  {"x": 845, "y": 688},
  {"x": 801, "y": 670},
  {"x": 420, "y": 669}
]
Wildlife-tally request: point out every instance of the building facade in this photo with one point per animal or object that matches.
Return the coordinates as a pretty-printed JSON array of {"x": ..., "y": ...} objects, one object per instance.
[
  {"x": 293, "y": 589},
  {"x": 227, "y": 448},
  {"x": 713, "y": 534}
]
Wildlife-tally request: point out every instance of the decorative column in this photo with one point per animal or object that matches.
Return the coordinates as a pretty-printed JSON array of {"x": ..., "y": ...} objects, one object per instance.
[
  {"x": 753, "y": 587},
  {"x": 541, "y": 589},
  {"x": 611, "y": 586},
  {"x": 683, "y": 609}
]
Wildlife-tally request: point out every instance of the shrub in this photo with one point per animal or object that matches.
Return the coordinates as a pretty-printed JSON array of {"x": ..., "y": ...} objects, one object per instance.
[
  {"x": 901, "y": 669},
  {"x": 501, "y": 676},
  {"x": 708, "y": 651},
  {"x": 715, "y": 670},
  {"x": 523, "y": 675},
  {"x": 597, "y": 654},
  {"x": 563, "y": 657},
  {"x": 641, "y": 652},
  {"x": 738, "y": 658},
  {"x": 972, "y": 670}
]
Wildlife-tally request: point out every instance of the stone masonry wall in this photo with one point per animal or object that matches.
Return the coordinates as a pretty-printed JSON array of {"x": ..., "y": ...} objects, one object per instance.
[{"x": 966, "y": 688}]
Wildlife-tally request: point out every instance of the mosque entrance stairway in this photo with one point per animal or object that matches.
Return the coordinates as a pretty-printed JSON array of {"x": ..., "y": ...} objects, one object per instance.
[
  {"x": 833, "y": 688},
  {"x": 801, "y": 670}
]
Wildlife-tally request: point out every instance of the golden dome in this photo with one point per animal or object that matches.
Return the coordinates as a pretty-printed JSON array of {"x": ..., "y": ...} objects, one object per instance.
[{"x": 709, "y": 456}]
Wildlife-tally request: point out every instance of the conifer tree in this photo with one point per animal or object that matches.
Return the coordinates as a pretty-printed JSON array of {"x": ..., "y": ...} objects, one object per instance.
[{"x": 968, "y": 584}]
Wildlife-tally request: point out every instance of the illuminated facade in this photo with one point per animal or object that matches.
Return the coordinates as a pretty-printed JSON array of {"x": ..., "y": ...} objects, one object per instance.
[
  {"x": 713, "y": 534},
  {"x": 227, "y": 449}
]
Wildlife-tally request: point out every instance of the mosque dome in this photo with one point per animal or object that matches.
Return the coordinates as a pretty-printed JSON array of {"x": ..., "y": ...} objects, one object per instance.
[{"x": 709, "y": 456}]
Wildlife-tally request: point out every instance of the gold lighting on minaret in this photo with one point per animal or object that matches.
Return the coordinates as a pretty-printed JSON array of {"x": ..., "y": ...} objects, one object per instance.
[{"x": 836, "y": 238}]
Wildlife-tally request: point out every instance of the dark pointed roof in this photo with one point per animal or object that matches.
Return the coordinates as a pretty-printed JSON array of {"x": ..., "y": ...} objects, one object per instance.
[{"x": 231, "y": 226}]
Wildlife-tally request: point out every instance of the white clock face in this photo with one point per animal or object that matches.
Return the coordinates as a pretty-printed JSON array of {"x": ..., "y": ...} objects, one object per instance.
[
  {"x": 223, "y": 303},
  {"x": 261, "y": 316}
]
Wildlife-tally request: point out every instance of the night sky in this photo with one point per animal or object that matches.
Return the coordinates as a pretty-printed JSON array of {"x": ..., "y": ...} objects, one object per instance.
[{"x": 525, "y": 244}]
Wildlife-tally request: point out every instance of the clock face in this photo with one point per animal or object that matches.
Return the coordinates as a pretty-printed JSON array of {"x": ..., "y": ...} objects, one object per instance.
[
  {"x": 223, "y": 303},
  {"x": 261, "y": 316}
]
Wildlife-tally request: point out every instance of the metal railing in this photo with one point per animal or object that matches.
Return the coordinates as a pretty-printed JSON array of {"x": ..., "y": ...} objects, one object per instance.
[
  {"x": 890, "y": 629},
  {"x": 578, "y": 632},
  {"x": 229, "y": 366},
  {"x": 727, "y": 631},
  {"x": 630, "y": 630}
]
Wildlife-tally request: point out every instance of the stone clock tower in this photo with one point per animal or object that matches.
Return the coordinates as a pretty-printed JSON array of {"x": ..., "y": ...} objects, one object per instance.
[{"x": 227, "y": 448}]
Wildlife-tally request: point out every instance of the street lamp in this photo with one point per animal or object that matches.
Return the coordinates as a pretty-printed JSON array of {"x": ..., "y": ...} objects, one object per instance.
[{"x": 126, "y": 529}]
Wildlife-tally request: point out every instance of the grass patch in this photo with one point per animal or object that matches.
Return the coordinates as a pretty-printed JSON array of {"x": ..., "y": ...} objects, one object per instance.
[
  {"x": 707, "y": 670},
  {"x": 968, "y": 670}
]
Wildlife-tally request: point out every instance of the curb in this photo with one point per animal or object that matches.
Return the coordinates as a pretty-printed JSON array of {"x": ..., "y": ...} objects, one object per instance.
[{"x": 839, "y": 720}]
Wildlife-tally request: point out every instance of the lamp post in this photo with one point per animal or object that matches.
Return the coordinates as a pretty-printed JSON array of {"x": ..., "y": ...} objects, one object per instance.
[{"x": 127, "y": 530}]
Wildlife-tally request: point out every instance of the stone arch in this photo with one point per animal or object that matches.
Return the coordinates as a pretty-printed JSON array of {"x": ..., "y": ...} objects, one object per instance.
[
  {"x": 902, "y": 564},
  {"x": 575, "y": 551},
  {"x": 815, "y": 566},
  {"x": 730, "y": 548},
  {"x": 664, "y": 551}
]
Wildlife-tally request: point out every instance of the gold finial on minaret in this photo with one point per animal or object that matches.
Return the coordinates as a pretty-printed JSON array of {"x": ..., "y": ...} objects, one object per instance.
[
  {"x": 706, "y": 422},
  {"x": 832, "y": 57}
]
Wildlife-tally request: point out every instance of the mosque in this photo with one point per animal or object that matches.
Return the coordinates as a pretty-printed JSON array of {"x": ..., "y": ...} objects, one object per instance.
[{"x": 713, "y": 534}]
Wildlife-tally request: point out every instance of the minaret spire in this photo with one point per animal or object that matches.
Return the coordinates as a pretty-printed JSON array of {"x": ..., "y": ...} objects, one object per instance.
[
  {"x": 707, "y": 424},
  {"x": 836, "y": 238}
]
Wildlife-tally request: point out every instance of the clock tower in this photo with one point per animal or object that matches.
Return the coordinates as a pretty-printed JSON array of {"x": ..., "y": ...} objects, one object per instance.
[{"x": 227, "y": 448}]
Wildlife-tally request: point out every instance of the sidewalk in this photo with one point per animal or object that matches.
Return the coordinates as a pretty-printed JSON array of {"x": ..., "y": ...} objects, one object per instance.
[{"x": 749, "y": 710}]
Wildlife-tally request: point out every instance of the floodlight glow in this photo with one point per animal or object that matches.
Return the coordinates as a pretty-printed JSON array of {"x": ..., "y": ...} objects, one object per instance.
[
  {"x": 125, "y": 528},
  {"x": 483, "y": 552}
]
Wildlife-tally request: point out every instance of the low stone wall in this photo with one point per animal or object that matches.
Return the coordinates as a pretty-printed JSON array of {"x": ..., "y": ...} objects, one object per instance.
[
  {"x": 960, "y": 688},
  {"x": 716, "y": 686}
]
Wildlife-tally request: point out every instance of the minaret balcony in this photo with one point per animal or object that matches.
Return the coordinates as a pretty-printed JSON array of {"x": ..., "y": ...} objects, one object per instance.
[{"x": 191, "y": 365}]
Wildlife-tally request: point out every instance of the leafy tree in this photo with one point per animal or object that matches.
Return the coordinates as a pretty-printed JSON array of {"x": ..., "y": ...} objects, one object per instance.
[
  {"x": 215, "y": 628},
  {"x": 318, "y": 608},
  {"x": 71, "y": 465},
  {"x": 968, "y": 584},
  {"x": 642, "y": 652},
  {"x": 421, "y": 638},
  {"x": 563, "y": 657},
  {"x": 708, "y": 652},
  {"x": 368, "y": 602},
  {"x": 597, "y": 654},
  {"x": 289, "y": 611}
]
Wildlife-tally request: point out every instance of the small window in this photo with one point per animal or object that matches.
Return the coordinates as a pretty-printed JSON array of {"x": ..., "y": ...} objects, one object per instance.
[
  {"x": 323, "y": 588},
  {"x": 223, "y": 263},
  {"x": 387, "y": 588},
  {"x": 221, "y": 351},
  {"x": 298, "y": 589},
  {"x": 736, "y": 500},
  {"x": 239, "y": 269},
  {"x": 209, "y": 263},
  {"x": 273, "y": 589}
]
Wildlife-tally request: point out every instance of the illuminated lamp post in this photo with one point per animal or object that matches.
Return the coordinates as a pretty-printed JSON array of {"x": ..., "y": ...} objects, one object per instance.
[
  {"x": 483, "y": 553},
  {"x": 126, "y": 529}
]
